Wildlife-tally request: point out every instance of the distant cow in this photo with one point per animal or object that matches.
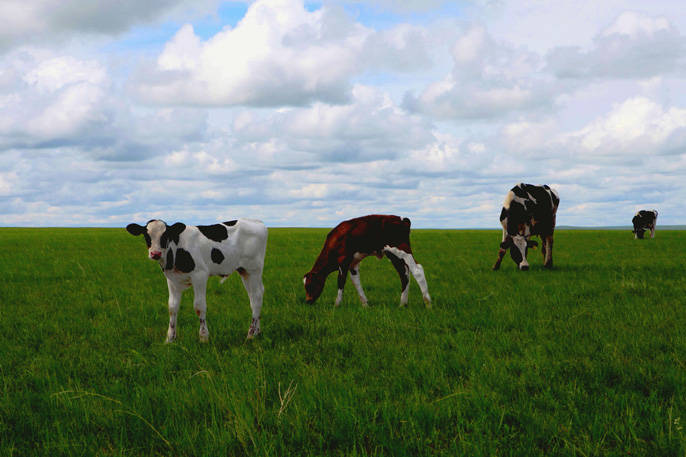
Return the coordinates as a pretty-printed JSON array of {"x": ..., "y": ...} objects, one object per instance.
[
  {"x": 351, "y": 241},
  {"x": 528, "y": 210},
  {"x": 189, "y": 255},
  {"x": 644, "y": 220}
]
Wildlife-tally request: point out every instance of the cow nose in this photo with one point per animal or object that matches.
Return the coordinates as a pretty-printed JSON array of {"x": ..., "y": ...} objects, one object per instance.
[{"x": 155, "y": 255}]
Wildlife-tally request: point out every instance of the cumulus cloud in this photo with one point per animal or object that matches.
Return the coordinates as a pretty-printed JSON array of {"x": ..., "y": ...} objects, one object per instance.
[
  {"x": 635, "y": 45},
  {"x": 490, "y": 79},
  {"x": 279, "y": 54},
  {"x": 50, "y": 22},
  {"x": 295, "y": 113},
  {"x": 636, "y": 126},
  {"x": 370, "y": 127}
]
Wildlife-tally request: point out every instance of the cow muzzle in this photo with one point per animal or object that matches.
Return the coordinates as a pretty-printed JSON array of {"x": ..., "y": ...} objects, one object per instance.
[{"x": 155, "y": 255}]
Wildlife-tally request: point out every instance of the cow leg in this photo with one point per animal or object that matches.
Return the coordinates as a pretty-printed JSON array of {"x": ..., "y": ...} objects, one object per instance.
[
  {"x": 174, "y": 303},
  {"x": 501, "y": 252},
  {"x": 355, "y": 278},
  {"x": 652, "y": 232},
  {"x": 253, "y": 285},
  {"x": 200, "y": 305},
  {"x": 404, "y": 273},
  {"x": 416, "y": 269},
  {"x": 343, "y": 267},
  {"x": 548, "y": 263}
]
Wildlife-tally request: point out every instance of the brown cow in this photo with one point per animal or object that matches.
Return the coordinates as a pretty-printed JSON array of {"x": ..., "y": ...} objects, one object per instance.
[{"x": 351, "y": 241}]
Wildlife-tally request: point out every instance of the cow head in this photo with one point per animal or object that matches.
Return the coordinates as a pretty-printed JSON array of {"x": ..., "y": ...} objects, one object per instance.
[
  {"x": 640, "y": 233},
  {"x": 314, "y": 285},
  {"x": 157, "y": 236},
  {"x": 519, "y": 245}
]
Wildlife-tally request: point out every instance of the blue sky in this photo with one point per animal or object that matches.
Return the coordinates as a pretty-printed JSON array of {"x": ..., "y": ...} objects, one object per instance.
[{"x": 306, "y": 114}]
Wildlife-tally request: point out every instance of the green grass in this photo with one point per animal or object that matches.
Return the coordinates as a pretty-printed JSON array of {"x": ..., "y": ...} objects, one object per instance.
[{"x": 586, "y": 359}]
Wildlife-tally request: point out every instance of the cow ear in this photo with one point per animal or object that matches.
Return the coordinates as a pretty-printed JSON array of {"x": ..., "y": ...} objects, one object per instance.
[
  {"x": 175, "y": 230},
  {"x": 532, "y": 244},
  {"x": 135, "y": 229}
]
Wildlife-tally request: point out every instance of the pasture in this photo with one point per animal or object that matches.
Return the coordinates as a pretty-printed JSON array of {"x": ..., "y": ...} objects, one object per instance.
[{"x": 586, "y": 359}]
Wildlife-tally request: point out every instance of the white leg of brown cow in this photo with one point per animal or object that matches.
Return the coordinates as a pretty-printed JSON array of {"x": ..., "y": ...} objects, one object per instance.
[
  {"x": 174, "y": 303},
  {"x": 416, "y": 269},
  {"x": 404, "y": 274},
  {"x": 253, "y": 285},
  {"x": 355, "y": 278},
  {"x": 200, "y": 305}
]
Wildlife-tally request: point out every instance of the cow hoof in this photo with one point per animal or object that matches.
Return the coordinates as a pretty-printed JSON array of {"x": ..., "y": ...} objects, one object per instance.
[
  {"x": 204, "y": 338},
  {"x": 252, "y": 335},
  {"x": 169, "y": 340},
  {"x": 427, "y": 303}
]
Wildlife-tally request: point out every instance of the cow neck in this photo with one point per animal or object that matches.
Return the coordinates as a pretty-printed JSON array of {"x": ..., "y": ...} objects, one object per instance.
[{"x": 323, "y": 263}]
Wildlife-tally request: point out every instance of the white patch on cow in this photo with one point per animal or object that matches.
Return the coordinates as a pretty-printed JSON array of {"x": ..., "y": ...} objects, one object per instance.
[
  {"x": 520, "y": 243},
  {"x": 416, "y": 269},
  {"x": 652, "y": 229},
  {"x": 508, "y": 200},
  {"x": 358, "y": 257},
  {"x": 155, "y": 231}
]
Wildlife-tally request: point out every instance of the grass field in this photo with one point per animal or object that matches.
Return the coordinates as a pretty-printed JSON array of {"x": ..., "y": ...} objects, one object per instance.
[{"x": 586, "y": 359}]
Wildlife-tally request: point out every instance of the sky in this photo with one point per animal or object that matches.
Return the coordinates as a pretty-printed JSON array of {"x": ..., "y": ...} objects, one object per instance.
[{"x": 305, "y": 114}]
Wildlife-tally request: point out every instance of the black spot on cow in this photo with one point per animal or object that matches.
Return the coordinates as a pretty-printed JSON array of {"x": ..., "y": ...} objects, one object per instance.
[
  {"x": 170, "y": 260},
  {"x": 184, "y": 261},
  {"x": 217, "y": 256},
  {"x": 230, "y": 223},
  {"x": 173, "y": 232},
  {"x": 216, "y": 232}
]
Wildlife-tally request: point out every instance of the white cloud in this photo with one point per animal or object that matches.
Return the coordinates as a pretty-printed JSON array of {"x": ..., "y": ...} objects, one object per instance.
[
  {"x": 295, "y": 113},
  {"x": 54, "y": 22},
  {"x": 635, "y": 45},
  {"x": 636, "y": 126},
  {"x": 280, "y": 53},
  {"x": 490, "y": 79}
]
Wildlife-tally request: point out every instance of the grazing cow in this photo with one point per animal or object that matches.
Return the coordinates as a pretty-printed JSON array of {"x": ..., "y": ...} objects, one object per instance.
[
  {"x": 644, "y": 220},
  {"x": 351, "y": 241},
  {"x": 528, "y": 210},
  {"x": 189, "y": 255}
]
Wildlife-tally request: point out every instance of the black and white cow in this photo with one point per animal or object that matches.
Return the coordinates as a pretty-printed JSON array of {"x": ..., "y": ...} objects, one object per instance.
[
  {"x": 528, "y": 210},
  {"x": 644, "y": 220},
  {"x": 189, "y": 255}
]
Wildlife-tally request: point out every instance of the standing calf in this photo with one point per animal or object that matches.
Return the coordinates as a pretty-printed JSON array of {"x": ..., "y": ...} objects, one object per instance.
[
  {"x": 189, "y": 255},
  {"x": 351, "y": 241}
]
